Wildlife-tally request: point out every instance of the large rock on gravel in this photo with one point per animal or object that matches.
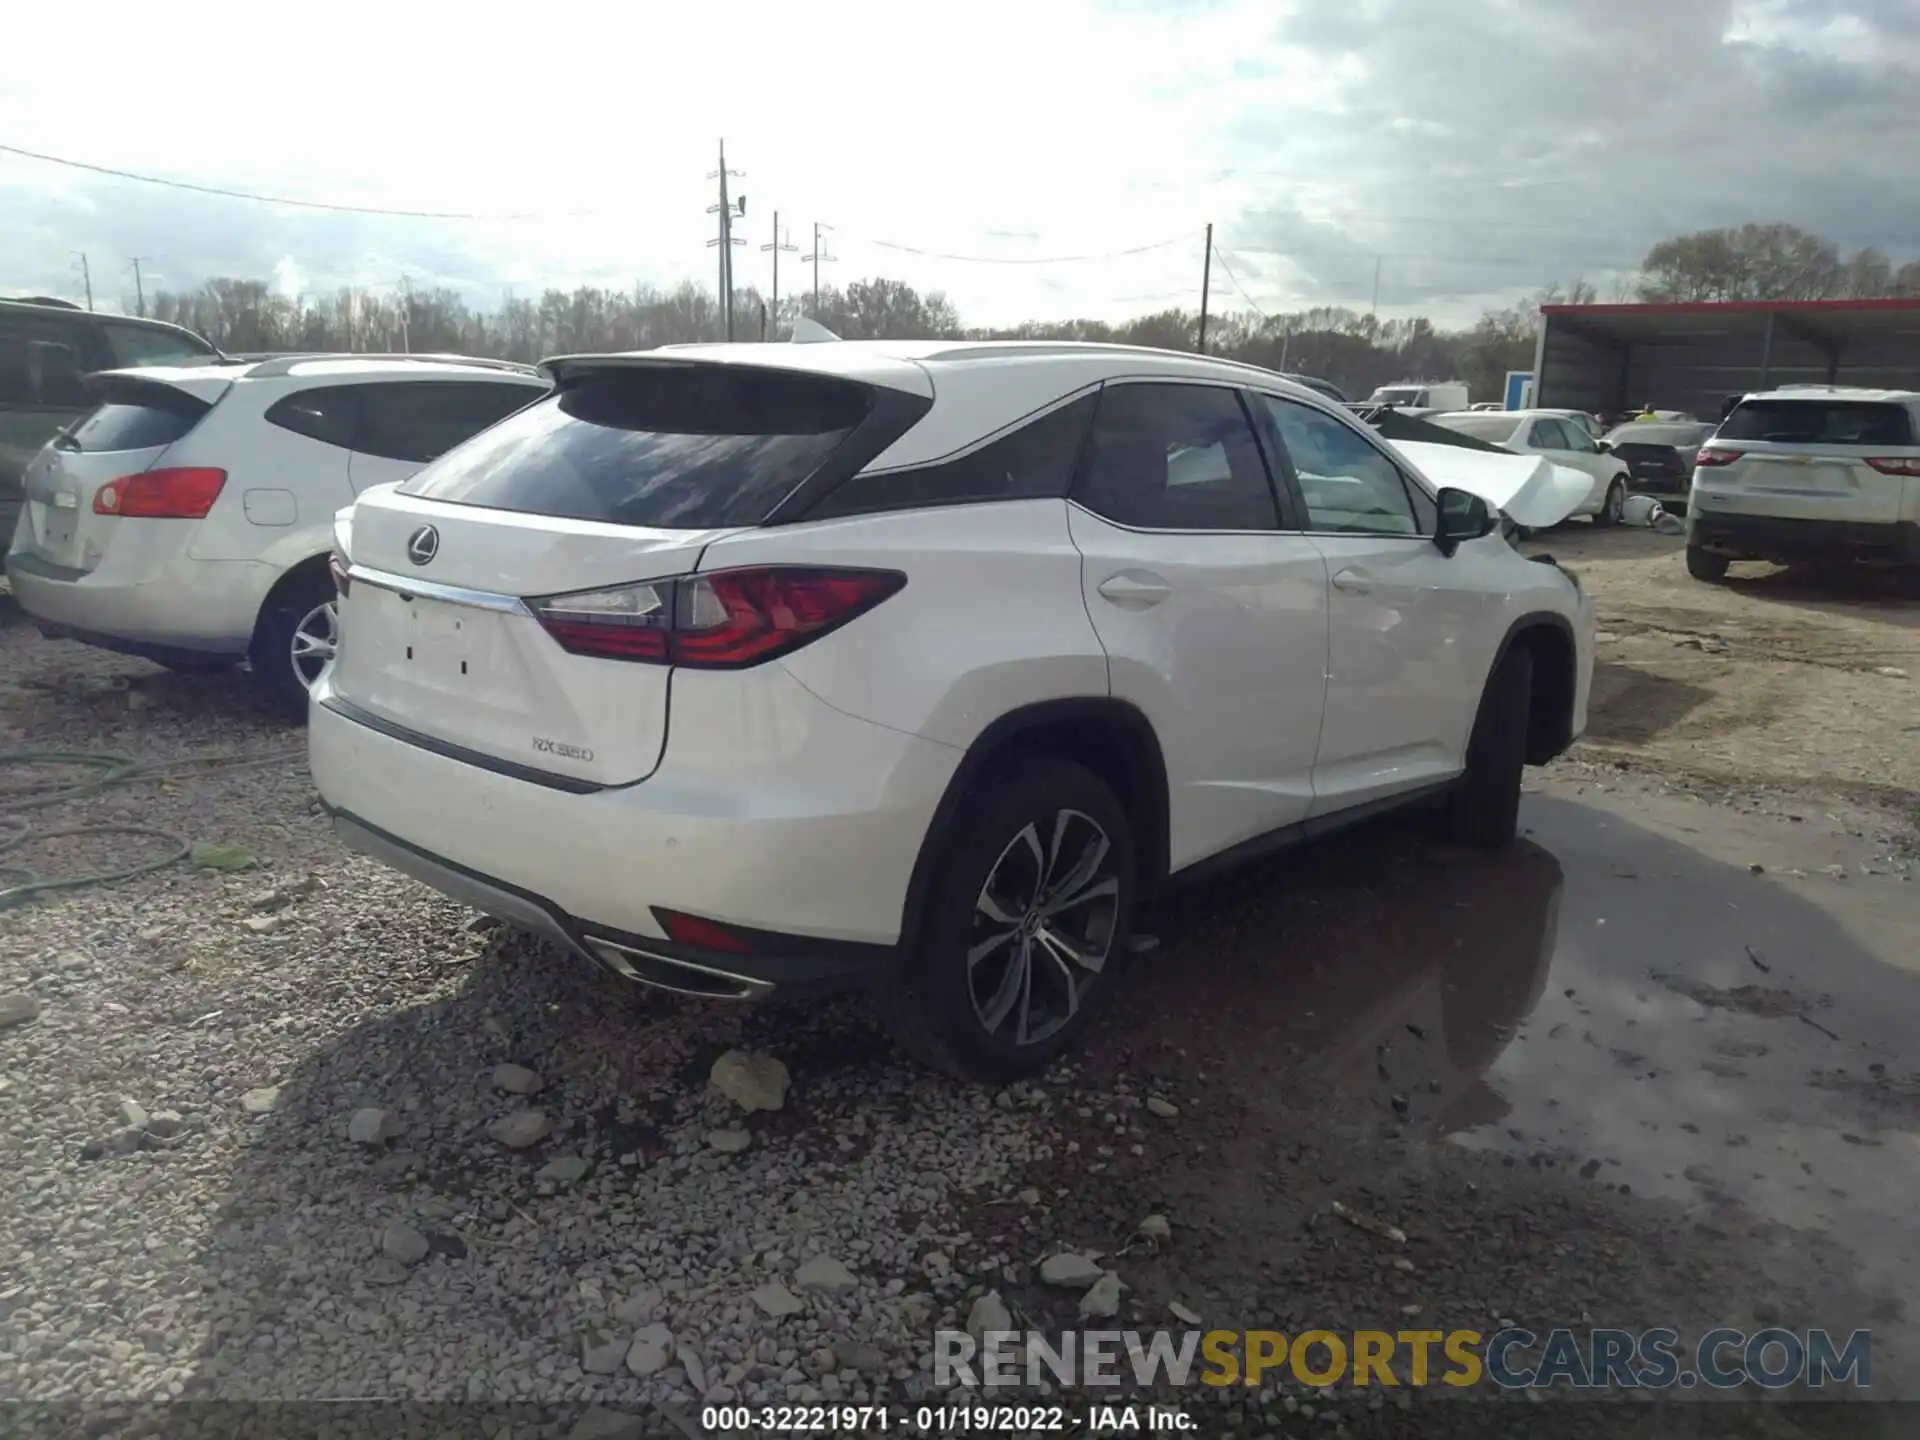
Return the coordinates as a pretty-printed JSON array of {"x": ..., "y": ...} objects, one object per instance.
[
  {"x": 166, "y": 1123},
  {"x": 1070, "y": 1271},
  {"x": 564, "y": 1170},
  {"x": 132, "y": 1113},
  {"x": 1165, "y": 1109},
  {"x": 823, "y": 1272},
  {"x": 753, "y": 1082},
  {"x": 778, "y": 1301},
  {"x": 374, "y": 1127},
  {"x": 640, "y": 1308},
  {"x": 731, "y": 1141},
  {"x": 520, "y": 1129},
  {"x": 263, "y": 1101},
  {"x": 516, "y": 1080},
  {"x": 17, "y": 1008},
  {"x": 989, "y": 1312},
  {"x": 651, "y": 1351},
  {"x": 1103, "y": 1300},
  {"x": 403, "y": 1243},
  {"x": 601, "y": 1353}
]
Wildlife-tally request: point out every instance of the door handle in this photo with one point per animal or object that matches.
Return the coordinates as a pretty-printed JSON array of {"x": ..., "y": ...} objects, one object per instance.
[
  {"x": 1354, "y": 579},
  {"x": 1136, "y": 589}
]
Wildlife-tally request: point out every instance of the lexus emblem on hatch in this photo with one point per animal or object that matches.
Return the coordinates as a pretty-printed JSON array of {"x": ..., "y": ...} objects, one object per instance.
[{"x": 423, "y": 545}]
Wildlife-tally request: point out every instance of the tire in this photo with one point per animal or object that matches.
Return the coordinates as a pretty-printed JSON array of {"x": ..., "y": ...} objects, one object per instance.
[
  {"x": 1705, "y": 565},
  {"x": 291, "y": 611},
  {"x": 1484, "y": 809},
  {"x": 966, "y": 1018},
  {"x": 1612, "y": 507}
]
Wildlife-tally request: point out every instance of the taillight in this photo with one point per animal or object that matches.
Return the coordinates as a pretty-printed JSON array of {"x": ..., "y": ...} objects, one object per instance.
[
  {"x": 1897, "y": 465},
  {"x": 182, "y": 493},
  {"x": 722, "y": 621},
  {"x": 337, "y": 567},
  {"x": 1713, "y": 459}
]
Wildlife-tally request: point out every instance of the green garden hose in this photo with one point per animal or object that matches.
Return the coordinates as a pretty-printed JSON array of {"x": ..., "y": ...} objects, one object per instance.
[{"x": 110, "y": 770}]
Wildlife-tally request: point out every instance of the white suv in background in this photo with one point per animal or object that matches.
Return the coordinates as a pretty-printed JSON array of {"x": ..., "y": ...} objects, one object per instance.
[
  {"x": 187, "y": 516},
  {"x": 1808, "y": 472},
  {"x": 1554, "y": 435},
  {"x": 771, "y": 668}
]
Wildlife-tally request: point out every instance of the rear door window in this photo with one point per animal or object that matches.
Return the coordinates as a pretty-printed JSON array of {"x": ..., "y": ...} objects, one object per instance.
[
  {"x": 40, "y": 369},
  {"x": 142, "y": 345},
  {"x": 1176, "y": 457},
  {"x": 421, "y": 420},
  {"x": 1819, "y": 422},
  {"x": 670, "y": 446}
]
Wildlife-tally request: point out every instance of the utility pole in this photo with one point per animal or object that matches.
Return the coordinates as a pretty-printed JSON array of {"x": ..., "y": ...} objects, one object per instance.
[
  {"x": 725, "y": 240},
  {"x": 776, "y": 245},
  {"x": 1206, "y": 285},
  {"x": 1373, "y": 311},
  {"x": 139, "y": 289},
  {"x": 406, "y": 315},
  {"x": 817, "y": 260},
  {"x": 86, "y": 276}
]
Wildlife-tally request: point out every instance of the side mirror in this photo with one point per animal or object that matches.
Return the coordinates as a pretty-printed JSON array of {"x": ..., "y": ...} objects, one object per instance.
[
  {"x": 1605, "y": 447},
  {"x": 1463, "y": 516}
]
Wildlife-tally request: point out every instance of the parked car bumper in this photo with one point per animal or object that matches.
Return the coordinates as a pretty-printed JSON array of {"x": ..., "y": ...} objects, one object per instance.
[
  {"x": 808, "y": 856},
  {"x": 189, "y": 609},
  {"x": 1767, "y": 537}
]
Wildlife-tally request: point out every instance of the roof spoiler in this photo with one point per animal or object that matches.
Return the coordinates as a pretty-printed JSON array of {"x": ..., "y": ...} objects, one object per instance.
[{"x": 811, "y": 332}]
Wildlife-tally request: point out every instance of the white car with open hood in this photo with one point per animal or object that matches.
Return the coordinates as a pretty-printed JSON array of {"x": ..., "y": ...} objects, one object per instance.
[{"x": 754, "y": 669}]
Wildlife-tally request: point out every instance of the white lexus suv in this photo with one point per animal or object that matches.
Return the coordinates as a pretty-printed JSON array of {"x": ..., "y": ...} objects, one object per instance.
[
  {"x": 187, "y": 515},
  {"x": 758, "y": 669}
]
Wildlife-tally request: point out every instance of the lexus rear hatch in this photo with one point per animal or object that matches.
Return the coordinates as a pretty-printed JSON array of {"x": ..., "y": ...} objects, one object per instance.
[{"x": 528, "y": 596}]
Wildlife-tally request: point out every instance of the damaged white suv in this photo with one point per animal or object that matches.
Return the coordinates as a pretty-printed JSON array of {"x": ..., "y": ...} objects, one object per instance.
[{"x": 761, "y": 669}]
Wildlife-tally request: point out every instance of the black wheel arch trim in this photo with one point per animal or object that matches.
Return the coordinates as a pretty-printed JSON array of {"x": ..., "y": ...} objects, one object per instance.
[
  {"x": 1531, "y": 621},
  {"x": 1147, "y": 806}
]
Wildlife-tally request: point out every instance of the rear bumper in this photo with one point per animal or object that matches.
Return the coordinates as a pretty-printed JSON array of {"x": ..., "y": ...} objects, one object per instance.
[
  {"x": 193, "y": 608},
  {"x": 771, "y": 814},
  {"x": 1766, "y": 537},
  {"x": 787, "y": 965}
]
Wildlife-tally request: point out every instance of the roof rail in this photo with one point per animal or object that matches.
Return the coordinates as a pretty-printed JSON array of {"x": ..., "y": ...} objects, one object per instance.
[{"x": 282, "y": 364}]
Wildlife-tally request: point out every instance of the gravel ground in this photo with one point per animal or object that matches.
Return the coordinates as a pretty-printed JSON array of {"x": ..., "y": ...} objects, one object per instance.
[{"x": 261, "y": 1145}]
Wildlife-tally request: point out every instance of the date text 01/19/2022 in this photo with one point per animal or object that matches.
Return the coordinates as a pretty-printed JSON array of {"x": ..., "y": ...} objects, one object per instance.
[{"x": 934, "y": 1419}]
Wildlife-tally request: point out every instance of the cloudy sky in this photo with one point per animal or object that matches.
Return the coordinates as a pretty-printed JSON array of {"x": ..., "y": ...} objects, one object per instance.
[{"x": 1011, "y": 152}]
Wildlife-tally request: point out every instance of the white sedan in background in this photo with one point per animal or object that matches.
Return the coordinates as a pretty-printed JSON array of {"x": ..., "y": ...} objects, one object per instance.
[{"x": 1553, "y": 437}]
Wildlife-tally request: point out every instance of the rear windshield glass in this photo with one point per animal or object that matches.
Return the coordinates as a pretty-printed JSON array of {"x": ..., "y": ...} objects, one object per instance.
[
  {"x": 1496, "y": 428},
  {"x": 678, "y": 448},
  {"x": 134, "y": 424},
  {"x": 1819, "y": 422},
  {"x": 1646, "y": 432}
]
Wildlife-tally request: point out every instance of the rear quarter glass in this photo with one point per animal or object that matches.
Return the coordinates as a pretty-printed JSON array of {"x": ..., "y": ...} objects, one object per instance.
[{"x": 669, "y": 446}]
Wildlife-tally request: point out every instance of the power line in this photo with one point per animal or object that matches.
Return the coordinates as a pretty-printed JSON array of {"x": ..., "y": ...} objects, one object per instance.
[
  {"x": 1179, "y": 239},
  {"x": 1234, "y": 280},
  {"x": 287, "y": 200}
]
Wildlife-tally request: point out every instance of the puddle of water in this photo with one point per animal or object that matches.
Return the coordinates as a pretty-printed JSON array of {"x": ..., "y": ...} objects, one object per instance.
[
  {"x": 1602, "y": 999},
  {"x": 1708, "y": 1036}
]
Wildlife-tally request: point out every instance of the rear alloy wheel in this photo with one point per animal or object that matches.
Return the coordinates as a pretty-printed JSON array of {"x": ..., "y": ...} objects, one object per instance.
[
  {"x": 1024, "y": 929},
  {"x": 1613, "y": 509},
  {"x": 1705, "y": 565},
  {"x": 296, "y": 640}
]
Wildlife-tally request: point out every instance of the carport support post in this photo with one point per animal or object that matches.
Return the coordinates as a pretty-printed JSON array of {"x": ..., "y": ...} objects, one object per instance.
[{"x": 1766, "y": 350}]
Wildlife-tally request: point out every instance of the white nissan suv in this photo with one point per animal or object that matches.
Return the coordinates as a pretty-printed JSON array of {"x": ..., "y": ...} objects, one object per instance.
[
  {"x": 762, "y": 669},
  {"x": 186, "y": 516}
]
